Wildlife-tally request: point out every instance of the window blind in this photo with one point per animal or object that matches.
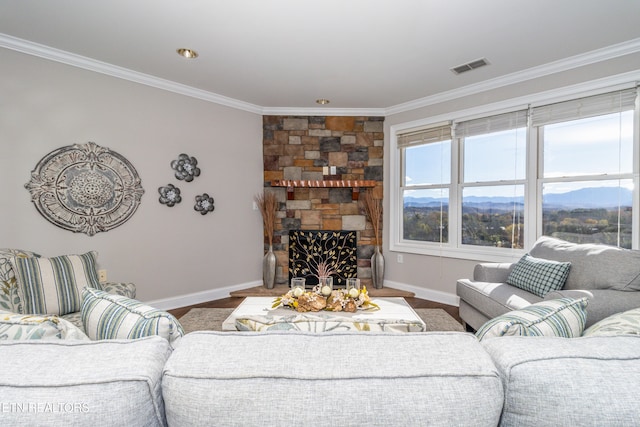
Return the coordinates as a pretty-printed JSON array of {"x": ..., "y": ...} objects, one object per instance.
[
  {"x": 612, "y": 102},
  {"x": 435, "y": 133},
  {"x": 497, "y": 123}
]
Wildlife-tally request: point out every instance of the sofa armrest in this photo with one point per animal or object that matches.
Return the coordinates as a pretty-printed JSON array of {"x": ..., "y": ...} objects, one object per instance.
[
  {"x": 125, "y": 289},
  {"x": 492, "y": 272}
]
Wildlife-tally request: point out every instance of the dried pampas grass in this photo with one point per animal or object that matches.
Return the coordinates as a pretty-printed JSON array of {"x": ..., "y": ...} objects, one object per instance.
[
  {"x": 373, "y": 211},
  {"x": 268, "y": 205}
]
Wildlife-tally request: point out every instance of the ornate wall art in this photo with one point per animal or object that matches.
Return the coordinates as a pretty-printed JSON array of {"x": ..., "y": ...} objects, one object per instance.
[
  {"x": 170, "y": 195},
  {"x": 204, "y": 204},
  {"x": 186, "y": 167},
  {"x": 85, "y": 188}
]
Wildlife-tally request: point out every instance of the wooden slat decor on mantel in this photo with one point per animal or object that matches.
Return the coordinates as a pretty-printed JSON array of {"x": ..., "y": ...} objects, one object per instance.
[{"x": 354, "y": 184}]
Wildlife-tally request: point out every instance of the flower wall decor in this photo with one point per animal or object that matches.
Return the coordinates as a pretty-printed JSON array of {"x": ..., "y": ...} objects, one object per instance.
[
  {"x": 186, "y": 167},
  {"x": 170, "y": 195},
  {"x": 204, "y": 204}
]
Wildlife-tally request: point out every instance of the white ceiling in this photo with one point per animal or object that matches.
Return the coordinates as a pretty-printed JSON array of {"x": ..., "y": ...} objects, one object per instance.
[{"x": 271, "y": 55}]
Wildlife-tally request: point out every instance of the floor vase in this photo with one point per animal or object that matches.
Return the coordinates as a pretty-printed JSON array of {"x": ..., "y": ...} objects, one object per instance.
[
  {"x": 377, "y": 268},
  {"x": 269, "y": 269}
]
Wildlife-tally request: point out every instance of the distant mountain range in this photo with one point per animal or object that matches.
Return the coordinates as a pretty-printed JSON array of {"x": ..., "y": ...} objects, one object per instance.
[{"x": 593, "y": 197}]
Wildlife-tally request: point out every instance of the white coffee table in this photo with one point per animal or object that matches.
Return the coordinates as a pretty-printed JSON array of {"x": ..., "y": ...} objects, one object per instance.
[{"x": 255, "y": 313}]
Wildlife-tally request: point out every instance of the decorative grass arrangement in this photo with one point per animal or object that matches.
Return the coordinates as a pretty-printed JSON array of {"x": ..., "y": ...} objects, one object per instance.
[
  {"x": 373, "y": 211},
  {"x": 268, "y": 205}
]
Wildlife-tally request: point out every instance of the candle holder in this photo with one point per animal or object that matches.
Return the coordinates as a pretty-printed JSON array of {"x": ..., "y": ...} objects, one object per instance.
[
  {"x": 326, "y": 285},
  {"x": 298, "y": 286},
  {"x": 353, "y": 287}
]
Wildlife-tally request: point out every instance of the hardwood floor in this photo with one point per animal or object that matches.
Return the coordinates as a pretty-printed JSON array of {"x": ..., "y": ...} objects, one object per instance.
[{"x": 233, "y": 302}]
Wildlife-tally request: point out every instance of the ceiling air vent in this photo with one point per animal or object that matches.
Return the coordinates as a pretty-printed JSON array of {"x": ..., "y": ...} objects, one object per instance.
[{"x": 470, "y": 66}]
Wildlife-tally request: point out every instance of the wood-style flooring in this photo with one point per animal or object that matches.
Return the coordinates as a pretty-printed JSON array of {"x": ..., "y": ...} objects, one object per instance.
[{"x": 233, "y": 302}]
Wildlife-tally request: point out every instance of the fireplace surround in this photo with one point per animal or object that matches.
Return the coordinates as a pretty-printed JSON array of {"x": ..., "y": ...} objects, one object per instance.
[{"x": 302, "y": 149}]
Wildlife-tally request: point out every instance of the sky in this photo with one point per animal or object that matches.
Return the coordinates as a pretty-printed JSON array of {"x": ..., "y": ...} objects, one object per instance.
[{"x": 596, "y": 145}]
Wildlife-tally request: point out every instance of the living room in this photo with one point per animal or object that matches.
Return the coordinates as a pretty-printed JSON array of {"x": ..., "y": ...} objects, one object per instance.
[
  {"x": 175, "y": 256},
  {"x": 271, "y": 79}
]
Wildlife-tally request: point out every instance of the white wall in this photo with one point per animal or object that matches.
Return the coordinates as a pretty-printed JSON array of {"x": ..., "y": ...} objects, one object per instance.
[
  {"x": 167, "y": 252},
  {"x": 435, "y": 277}
]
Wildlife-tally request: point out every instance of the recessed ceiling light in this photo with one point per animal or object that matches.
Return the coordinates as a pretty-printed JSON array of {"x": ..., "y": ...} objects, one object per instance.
[
  {"x": 187, "y": 53},
  {"x": 322, "y": 101}
]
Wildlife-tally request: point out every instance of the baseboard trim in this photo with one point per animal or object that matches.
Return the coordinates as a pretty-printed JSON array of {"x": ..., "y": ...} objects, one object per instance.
[
  {"x": 199, "y": 297},
  {"x": 428, "y": 294},
  {"x": 220, "y": 293}
]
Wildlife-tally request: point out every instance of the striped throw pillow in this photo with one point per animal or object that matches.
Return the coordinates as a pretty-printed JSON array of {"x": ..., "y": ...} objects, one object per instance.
[
  {"x": 564, "y": 317},
  {"x": 54, "y": 285},
  {"x": 539, "y": 276},
  {"x": 107, "y": 316}
]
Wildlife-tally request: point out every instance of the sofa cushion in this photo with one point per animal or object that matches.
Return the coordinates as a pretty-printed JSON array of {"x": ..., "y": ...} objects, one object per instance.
[
  {"x": 54, "y": 285},
  {"x": 564, "y": 317},
  {"x": 83, "y": 383},
  {"x": 593, "y": 266},
  {"x": 494, "y": 299},
  {"x": 107, "y": 316},
  {"x": 539, "y": 276},
  {"x": 625, "y": 323},
  {"x": 278, "y": 378},
  {"x": 15, "y": 326},
  {"x": 586, "y": 382}
]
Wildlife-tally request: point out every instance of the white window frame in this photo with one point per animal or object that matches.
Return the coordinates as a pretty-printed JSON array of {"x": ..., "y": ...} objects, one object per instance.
[{"x": 533, "y": 185}]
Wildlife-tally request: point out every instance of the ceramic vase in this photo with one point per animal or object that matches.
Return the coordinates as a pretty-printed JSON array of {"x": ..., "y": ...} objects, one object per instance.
[
  {"x": 269, "y": 269},
  {"x": 377, "y": 268}
]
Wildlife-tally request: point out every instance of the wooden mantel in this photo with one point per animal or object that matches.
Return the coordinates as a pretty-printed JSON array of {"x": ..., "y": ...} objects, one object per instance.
[{"x": 354, "y": 184}]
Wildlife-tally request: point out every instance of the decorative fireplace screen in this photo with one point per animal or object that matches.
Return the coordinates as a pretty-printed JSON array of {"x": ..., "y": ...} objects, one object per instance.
[{"x": 336, "y": 249}]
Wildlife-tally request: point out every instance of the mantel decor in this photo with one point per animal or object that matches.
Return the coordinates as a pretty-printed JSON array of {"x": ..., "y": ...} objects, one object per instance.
[{"x": 85, "y": 188}]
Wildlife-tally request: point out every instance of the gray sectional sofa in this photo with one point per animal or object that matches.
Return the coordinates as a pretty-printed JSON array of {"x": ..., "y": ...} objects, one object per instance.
[
  {"x": 339, "y": 379},
  {"x": 608, "y": 276}
]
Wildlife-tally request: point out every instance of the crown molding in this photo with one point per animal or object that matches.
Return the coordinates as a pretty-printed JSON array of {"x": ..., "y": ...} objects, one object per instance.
[
  {"x": 599, "y": 55},
  {"x": 49, "y": 53},
  {"x": 57, "y": 55},
  {"x": 323, "y": 111}
]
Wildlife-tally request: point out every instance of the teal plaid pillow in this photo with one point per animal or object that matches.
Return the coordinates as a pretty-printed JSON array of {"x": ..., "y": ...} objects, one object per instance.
[{"x": 539, "y": 276}]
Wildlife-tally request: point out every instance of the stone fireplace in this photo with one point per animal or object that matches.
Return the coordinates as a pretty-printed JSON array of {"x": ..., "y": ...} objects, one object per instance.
[{"x": 319, "y": 167}]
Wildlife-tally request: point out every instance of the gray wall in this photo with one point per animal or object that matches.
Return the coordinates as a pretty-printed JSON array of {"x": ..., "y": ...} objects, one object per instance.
[{"x": 167, "y": 252}]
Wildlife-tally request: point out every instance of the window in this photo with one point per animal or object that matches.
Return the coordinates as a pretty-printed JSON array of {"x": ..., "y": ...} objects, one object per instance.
[
  {"x": 586, "y": 172},
  {"x": 490, "y": 185},
  {"x": 493, "y": 178},
  {"x": 426, "y": 184}
]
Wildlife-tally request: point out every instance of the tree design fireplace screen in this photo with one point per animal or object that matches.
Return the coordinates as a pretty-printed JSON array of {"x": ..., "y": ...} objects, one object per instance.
[{"x": 336, "y": 249}]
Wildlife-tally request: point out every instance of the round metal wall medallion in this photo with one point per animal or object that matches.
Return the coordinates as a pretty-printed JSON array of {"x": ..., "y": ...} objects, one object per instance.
[{"x": 85, "y": 188}]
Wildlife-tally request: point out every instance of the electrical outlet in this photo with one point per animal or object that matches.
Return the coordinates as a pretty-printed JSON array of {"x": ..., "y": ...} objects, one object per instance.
[
  {"x": 400, "y": 259},
  {"x": 102, "y": 276}
]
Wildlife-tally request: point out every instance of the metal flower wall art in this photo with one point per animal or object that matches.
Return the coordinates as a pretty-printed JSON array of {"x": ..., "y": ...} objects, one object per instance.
[
  {"x": 170, "y": 195},
  {"x": 186, "y": 167},
  {"x": 204, "y": 204},
  {"x": 85, "y": 188}
]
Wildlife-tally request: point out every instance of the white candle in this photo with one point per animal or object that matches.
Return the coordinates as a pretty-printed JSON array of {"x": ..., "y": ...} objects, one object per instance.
[
  {"x": 326, "y": 290},
  {"x": 353, "y": 292},
  {"x": 297, "y": 292}
]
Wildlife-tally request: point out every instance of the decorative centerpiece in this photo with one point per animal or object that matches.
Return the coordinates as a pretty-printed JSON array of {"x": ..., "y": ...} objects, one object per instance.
[{"x": 349, "y": 300}]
